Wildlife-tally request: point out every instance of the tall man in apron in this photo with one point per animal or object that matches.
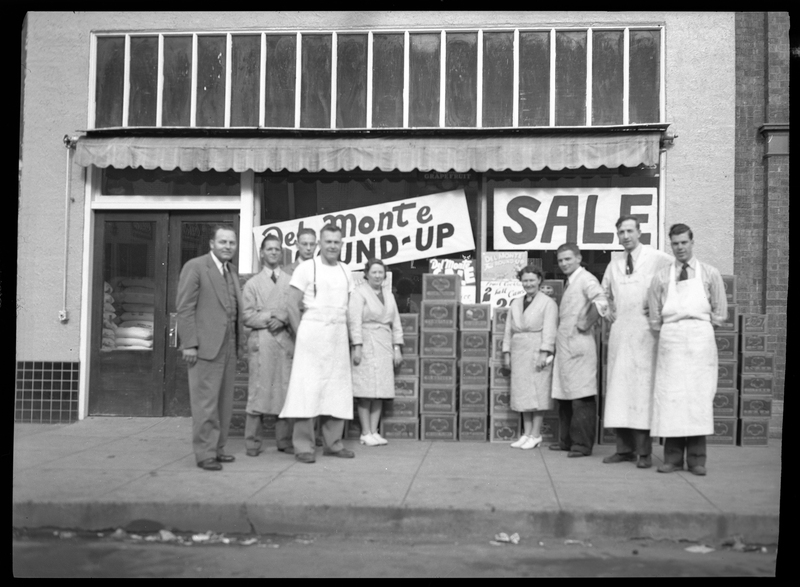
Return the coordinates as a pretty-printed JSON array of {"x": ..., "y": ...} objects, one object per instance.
[
  {"x": 631, "y": 345},
  {"x": 686, "y": 299},
  {"x": 575, "y": 366},
  {"x": 320, "y": 383}
]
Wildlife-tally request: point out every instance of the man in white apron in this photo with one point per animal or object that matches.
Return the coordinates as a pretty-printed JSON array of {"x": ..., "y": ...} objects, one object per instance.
[
  {"x": 632, "y": 345},
  {"x": 575, "y": 366},
  {"x": 320, "y": 383},
  {"x": 685, "y": 300}
]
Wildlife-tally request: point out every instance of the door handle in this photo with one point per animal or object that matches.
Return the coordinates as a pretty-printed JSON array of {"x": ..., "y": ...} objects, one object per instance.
[{"x": 172, "y": 333}]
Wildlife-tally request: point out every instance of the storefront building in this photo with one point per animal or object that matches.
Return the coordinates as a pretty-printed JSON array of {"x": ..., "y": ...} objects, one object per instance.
[{"x": 427, "y": 136}]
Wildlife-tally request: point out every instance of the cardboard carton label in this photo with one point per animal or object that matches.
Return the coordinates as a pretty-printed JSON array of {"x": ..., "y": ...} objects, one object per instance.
[
  {"x": 441, "y": 287},
  {"x": 497, "y": 348},
  {"x": 436, "y": 343},
  {"x": 473, "y": 399},
  {"x": 437, "y": 371},
  {"x": 436, "y": 314},
  {"x": 756, "y": 407},
  {"x": 439, "y": 426},
  {"x": 755, "y": 384},
  {"x": 724, "y": 431},
  {"x": 401, "y": 408},
  {"x": 500, "y": 400},
  {"x": 408, "y": 368},
  {"x": 475, "y": 344},
  {"x": 726, "y": 374},
  {"x": 725, "y": 403},
  {"x": 499, "y": 320},
  {"x": 474, "y": 371},
  {"x": 473, "y": 427},
  {"x": 409, "y": 323},
  {"x": 505, "y": 428},
  {"x": 438, "y": 399},
  {"x": 754, "y": 343},
  {"x": 500, "y": 376},
  {"x": 726, "y": 344},
  {"x": 400, "y": 428},
  {"x": 758, "y": 363},
  {"x": 475, "y": 316},
  {"x": 406, "y": 388},
  {"x": 754, "y": 323},
  {"x": 755, "y": 432}
]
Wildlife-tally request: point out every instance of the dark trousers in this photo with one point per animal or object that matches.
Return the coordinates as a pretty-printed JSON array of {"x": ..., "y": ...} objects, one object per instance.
[
  {"x": 577, "y": 420},
  {"x": 695, "y": 447},
  {"x": 211, "y": 399},
  {"x": 252, "y": 438},
  {"x": 633, "y": 441},
  {"x": 303, "y": 434}
]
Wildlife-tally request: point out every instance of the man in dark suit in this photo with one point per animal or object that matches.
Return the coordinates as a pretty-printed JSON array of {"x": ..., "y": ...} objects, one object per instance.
[{"x": 209, "y": 326}]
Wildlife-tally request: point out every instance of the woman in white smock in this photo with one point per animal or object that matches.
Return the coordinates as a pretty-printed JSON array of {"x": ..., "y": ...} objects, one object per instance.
[
  {"x": 528, "y": 346},
  {"x": 376, "y": 337}
]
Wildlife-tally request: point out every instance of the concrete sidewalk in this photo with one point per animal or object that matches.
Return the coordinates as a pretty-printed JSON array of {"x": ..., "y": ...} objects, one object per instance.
[{"x": 105, "y": 472}]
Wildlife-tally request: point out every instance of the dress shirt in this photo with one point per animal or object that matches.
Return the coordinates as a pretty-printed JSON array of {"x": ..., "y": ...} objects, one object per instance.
[
  {"x": 712, "y": 284},
  {"x": 218, "y": 263}
]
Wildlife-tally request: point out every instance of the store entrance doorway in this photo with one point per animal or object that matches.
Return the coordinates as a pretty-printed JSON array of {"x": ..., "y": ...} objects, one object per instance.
[{"x": 136, "y": 368}]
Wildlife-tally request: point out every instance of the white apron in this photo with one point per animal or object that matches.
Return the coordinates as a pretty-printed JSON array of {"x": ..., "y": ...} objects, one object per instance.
[
  {"x": 686, "y": 369},
  {"x": 632, "y": 348}
]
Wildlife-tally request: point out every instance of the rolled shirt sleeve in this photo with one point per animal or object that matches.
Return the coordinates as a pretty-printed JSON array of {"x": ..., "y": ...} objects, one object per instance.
[{"x": 716, "y": 295}]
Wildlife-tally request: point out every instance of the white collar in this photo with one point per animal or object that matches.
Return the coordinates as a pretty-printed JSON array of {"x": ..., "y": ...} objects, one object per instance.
[
  {"x": 218, "y": 263},
  {"x": 574, "y": 273},
  {"x": 692, "y": 263},
  {"x": 635, "y": 253}
]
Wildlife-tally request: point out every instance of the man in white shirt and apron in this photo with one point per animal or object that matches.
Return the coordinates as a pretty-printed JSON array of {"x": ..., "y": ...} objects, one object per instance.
[
  {"x": 632, "y": 345},
  {"x": 685, "y": 300},
  {"x": 320, "y": 383},
  {"x": 575, "y": 365}
]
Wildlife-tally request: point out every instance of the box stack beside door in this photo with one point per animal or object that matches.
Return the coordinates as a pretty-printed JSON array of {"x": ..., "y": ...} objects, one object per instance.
[
  {"x": 475, "y": 344},
  {"x": 727, "y": 397},
  {"x": 756, "y": 376},
  {"x": 401, "y": 415},
  {"x": 438, "y": 351},
  {"x": 505, "y": 424}
]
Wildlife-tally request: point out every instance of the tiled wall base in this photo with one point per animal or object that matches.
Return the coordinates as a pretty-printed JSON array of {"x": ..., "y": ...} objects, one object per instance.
[{"x": 46, "y": 392}]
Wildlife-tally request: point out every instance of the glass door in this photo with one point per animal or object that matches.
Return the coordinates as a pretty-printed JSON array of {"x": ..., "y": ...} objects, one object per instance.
[
  {"x": 189, "y": 236},
  {"x": 135, "y": 363},
  {"x": 128, "y": 314}
]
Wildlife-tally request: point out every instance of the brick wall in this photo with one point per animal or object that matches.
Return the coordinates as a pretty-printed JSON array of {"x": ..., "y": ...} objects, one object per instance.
[{"x": 761, "y": 184}]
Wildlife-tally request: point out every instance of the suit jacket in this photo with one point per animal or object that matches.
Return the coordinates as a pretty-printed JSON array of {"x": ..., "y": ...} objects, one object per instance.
[{"x": 202, "y": 307}]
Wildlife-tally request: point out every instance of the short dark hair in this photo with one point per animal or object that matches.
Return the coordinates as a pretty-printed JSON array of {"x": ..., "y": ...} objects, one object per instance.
[
  {"x": 569, "y": 247},
  {"x": 628, "y": 217},
  {"x": 530, "y": 269},
  {"x": 680, "y": 229},
  {"x": 373, "y": 261},
  {"x": 270, "y": 237},
  {"x": 220, "y": 226},
  {"x": 306, "y": 230},
  {"x": 330, "y": 228}
]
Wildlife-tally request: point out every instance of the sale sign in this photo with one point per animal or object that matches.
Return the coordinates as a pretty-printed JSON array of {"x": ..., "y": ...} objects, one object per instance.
[
  {"x": 395, "y": 232},
  {"x": 544, "y": 218}
]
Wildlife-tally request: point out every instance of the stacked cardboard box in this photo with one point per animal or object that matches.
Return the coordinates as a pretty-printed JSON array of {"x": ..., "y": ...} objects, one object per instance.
[
  {"x": 505, "y": 425},
  {"x": 438, "y": 352},
  {"x": 727, "y": 397},
  {"x": 605, "y": 435},
  {"x": 401, "y": 415},
  {"x": 475, "y": 344},
  {"x": 756, "y": 376}
]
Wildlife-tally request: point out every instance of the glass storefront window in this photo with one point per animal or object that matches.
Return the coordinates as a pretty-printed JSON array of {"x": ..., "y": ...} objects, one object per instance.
[{"x": 157, "y": 182}]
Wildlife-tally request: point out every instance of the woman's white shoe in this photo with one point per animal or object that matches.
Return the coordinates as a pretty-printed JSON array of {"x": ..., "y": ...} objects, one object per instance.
[
  {"x": 369, "y": 440},
  {"x": 381, "y": 440},
  {"x": 518, "y": 444},
  {"x": 532, "y": 442}
]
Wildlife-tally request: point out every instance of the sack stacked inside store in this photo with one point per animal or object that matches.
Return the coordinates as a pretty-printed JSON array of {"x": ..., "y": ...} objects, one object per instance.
[{"x": 128, "y": 314}]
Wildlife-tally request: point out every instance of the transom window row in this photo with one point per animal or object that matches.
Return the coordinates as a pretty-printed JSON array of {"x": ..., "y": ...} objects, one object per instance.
[{"x": 478, "y": 79}]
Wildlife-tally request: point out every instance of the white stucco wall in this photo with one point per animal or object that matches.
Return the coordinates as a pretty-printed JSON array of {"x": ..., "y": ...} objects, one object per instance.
[{"x": 700, "y": 91}]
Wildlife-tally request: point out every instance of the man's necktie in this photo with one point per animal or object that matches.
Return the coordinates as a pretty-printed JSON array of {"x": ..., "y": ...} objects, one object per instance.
[
  {"x": 629, "y": 265},
  {"x": 684, "y": 275},
  {"x": 274, "y": 278}
]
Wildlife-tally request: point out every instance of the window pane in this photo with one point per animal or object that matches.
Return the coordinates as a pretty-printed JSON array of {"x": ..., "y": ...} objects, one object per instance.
[
  {"x": 157, "y": 182},
  {"x": 607, "y": 72},
  {"x": 177, "y": 100},
  {"x": 387, "y": 80},
  {"x": 109, "y": 81},
  {"x": 424, "y": 80},
  {"x": 315, "y": 84},
  {"x": 643, "y": 96},
  {"x": 211, "y": 80},
  {"x": 245, "y": 72},
  {"x": 280, "y": 83},
  {"x": 144, "y": 81},
  {"x": 461, "y": 92},
  {"x": 498, "y": 79},
  {"x": 534, "y": 79},
  {"x": 570, "y": 78},
  {"x": 351, "y": 81}
]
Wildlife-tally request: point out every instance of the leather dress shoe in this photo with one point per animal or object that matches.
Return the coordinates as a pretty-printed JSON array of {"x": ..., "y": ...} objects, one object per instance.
[
  {"x": 574, "y": 454},
  {"x": 556, "y": 446},
  {"x": 698, "y": 470},
  {"x": 305, "y": 457},
  {"x": 644, "y": 462},
  {"x": 619, "y": 458},
  {"x": 289, "y": 450},
  {"x": 669, "y": 468},
  {"x": 210, "y": 465},
  {"x": 225, "y": 458},
  {"x": 253, "y": 452},
  {"x": 342, "y": 454}
]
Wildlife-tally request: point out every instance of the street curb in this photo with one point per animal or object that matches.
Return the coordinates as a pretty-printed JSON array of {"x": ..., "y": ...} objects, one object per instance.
[{"x": 276, "y": 519}]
